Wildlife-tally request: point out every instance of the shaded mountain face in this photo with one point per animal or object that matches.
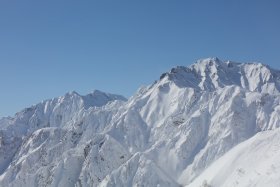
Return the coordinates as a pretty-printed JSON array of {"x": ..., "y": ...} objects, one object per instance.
[{"x": 167, "y": 134}]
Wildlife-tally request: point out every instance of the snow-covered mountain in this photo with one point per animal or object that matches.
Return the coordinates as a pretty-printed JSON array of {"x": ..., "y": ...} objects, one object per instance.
[{"x": 206, "y": 123}]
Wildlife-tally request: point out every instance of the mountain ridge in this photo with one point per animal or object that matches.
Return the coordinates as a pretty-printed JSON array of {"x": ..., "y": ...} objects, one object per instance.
[
  {"x": 166, "y": 134},
  {"x": 212, "y": 73}
]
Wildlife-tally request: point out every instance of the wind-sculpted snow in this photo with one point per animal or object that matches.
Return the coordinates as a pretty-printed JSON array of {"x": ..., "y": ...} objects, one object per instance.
[{"x": 167, "y": 134}]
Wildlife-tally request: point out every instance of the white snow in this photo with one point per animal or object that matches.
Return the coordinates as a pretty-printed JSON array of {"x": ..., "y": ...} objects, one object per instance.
[
  {"x": 254, "y": 162},
  {"x": 202, "y": 122}
]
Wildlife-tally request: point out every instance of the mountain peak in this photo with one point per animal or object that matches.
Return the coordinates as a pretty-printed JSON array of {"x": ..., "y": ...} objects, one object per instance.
[
  {"x": 209, "y": 61},
  {"x": 212, "y": 73},
  {"x": 99, "y": 98},
  {"x": 163, "y": 136}
]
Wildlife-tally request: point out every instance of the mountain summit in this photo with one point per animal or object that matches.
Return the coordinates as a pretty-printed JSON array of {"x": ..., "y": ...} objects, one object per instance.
[
  {"x": 212, "y": 73},
  {"x": 205, "y": 124}
]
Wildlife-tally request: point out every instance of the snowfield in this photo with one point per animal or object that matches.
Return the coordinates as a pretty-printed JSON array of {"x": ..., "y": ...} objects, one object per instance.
[
  {"x": 253, "y": 162},
  {"x": 213, "y": 123}
]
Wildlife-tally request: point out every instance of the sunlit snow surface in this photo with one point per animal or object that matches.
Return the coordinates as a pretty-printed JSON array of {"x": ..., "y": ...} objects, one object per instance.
[
  {"x": 254, "y": 162},
  {"x": 213, "y": 122}
]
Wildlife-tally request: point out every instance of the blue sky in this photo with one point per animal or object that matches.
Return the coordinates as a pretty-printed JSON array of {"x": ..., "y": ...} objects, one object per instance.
[{"x": 48, "y": 48}]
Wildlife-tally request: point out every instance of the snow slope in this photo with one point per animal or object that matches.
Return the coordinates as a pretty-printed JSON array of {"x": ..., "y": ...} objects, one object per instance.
[
  {"x": 254, "y": 162},
  {"x": 167, "y": 134}
]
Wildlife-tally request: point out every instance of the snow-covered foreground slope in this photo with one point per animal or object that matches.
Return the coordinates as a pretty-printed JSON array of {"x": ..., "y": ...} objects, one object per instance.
[
  {"x": 254, "y": 162},
  {"x": 167, "y": 134}
]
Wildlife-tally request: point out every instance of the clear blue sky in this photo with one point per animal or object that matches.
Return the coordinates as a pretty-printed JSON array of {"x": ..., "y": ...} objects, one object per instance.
[{"x": 48, "y": 48}]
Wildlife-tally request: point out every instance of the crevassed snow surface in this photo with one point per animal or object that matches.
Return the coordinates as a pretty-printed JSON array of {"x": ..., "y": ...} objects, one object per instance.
[{"x": 195, "y": 124}]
